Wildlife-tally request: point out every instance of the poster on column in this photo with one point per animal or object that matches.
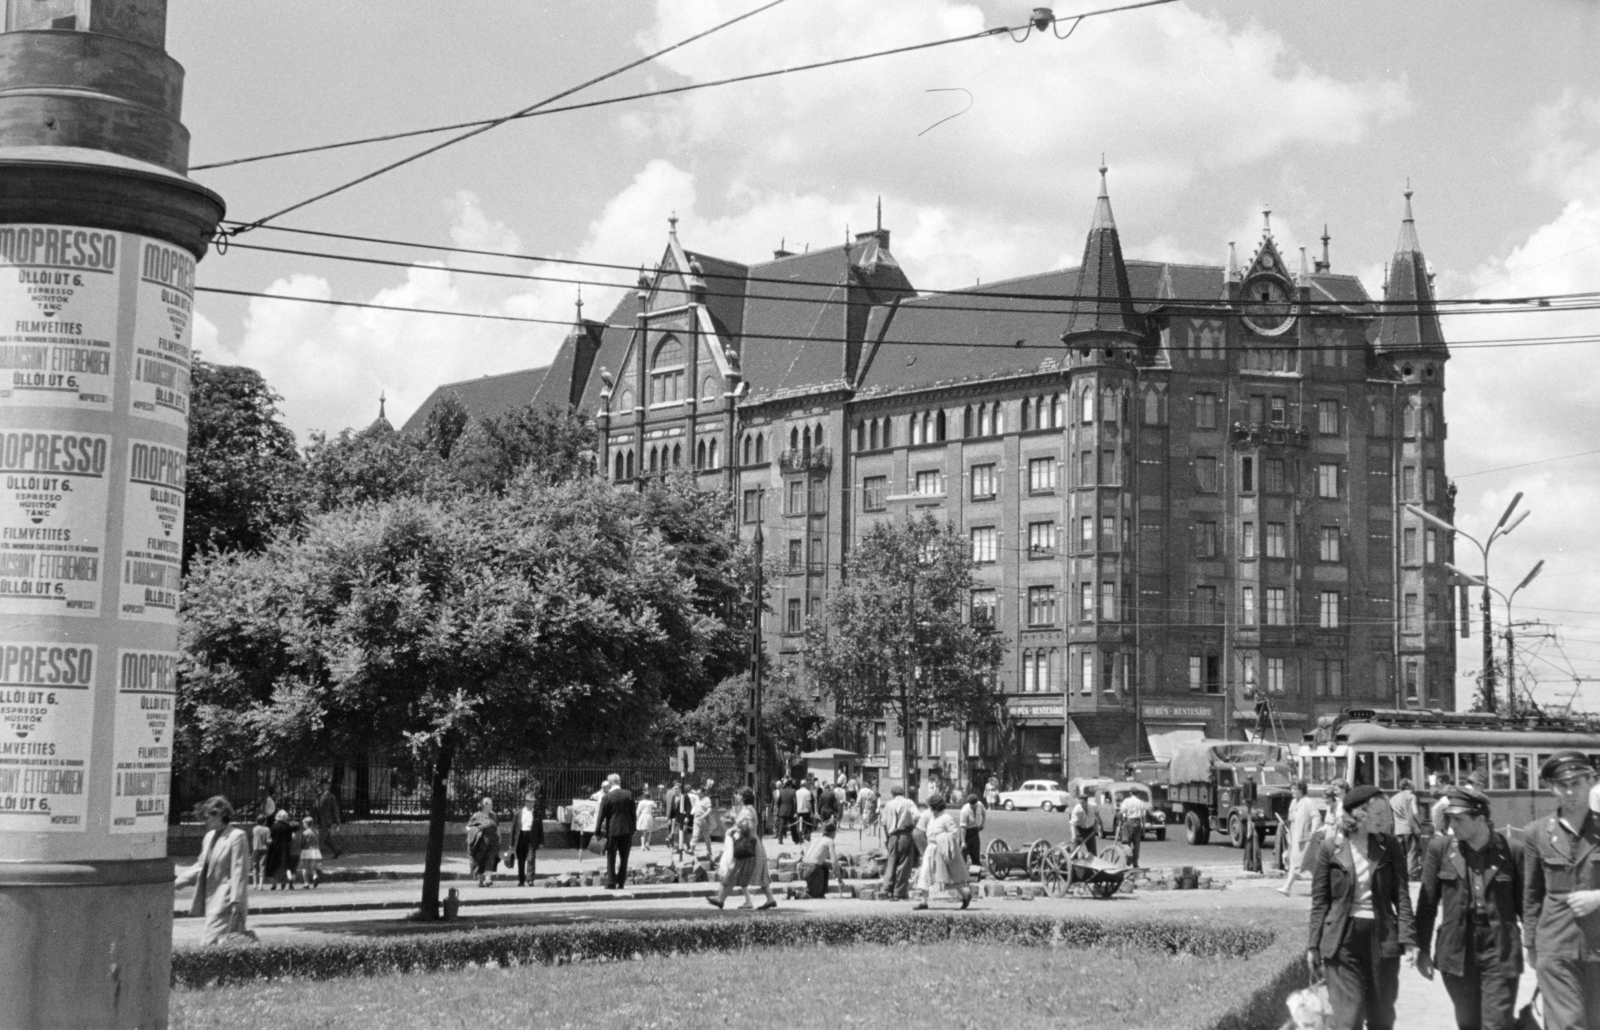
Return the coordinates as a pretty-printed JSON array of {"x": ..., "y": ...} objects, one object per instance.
[
  {"x": 46, "y": 719},
  {"x": 141, "y": 754},
  {"x": 152, "y": 533},
  {"x": 161, "y": 358},
  {"x": 52, "y": 521},
  {"x": 58, "y": 316}
]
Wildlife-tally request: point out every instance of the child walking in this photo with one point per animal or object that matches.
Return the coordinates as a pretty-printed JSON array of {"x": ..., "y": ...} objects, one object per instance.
[
  {"x": 260, "y": 837},
  {"x": 310, "y": 854}
]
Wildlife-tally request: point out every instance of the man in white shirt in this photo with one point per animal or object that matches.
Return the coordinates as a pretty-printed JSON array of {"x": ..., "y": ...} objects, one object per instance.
[
  {"x": 1407, "y": 829},
  {"x": 899, "y": 820},
  {"x": 974, "y": 813},
  {"x": 803, "y": 809},
  {"x": 1133, "y": 811},
  {"x": 1085, "y": 820}
]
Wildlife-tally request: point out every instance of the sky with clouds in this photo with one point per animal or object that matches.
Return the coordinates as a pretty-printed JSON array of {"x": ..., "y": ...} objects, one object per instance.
[{"x": 1205, "y": 110}]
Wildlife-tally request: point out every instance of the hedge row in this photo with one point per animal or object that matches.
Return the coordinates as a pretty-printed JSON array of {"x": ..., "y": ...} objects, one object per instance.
[{"x": 550, "y": 945}]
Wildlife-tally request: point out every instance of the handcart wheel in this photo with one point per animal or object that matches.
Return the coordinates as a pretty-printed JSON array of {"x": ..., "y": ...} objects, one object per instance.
[
  {"x": 1036, "y": 853},
  {"x": 1057, "y": 871},
  {"x": 992, "y": 868}
]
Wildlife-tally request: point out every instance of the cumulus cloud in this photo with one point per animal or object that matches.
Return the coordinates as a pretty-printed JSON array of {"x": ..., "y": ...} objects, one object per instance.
[{"x": 1533, "y": 403}]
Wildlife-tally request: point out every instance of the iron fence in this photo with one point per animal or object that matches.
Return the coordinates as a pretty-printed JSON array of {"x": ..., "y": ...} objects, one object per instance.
[{"x": 378, "y": 790}]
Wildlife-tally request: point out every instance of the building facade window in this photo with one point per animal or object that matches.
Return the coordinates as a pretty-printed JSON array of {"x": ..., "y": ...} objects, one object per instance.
[
  {"x": 1329, "y": 677},
  {"x": 984, "y": 606},
  {"x": 983, "y": 483},
  {"x": 1272, "y": 476},
  {"x": 1277, "y": 606},
  {"x": 1328, "y": 543},
  {"x": 1410, "y": 614},
  {"x": 1205, "y": 411},
  {"x": 1108, "y": 601},
  {"x": 985, "y": 544},
  {"x": 1277, "y": 540},
  {"x": 1041, "y": 606},
  {"x": 1108, "y": 468},
  {"x": 1197, "y": 664},
  {"x": 752, "y": 506},
  {"x": 1247, "y": 606},
  {"x": 795, "y": 497},
  {"x": 1086, "y": 672},
  {"x": 1275, "y": 676},
  {"x": 1205, "y": 539},
  {"x": 1247, "y": 540},
  {"x": 1206, "y": 612},
  {"x": 874, "y": 493},
  {"x": 794, "y": 621},
  {"x": 1247, "y": 475},
  {"x": 1328, "y": 610},
  {"x": 1430, "y": 547},
  {"x": 1328, "y": 480},
  {"x": 1408, "y": 545},
  {"x": 1041, "y": 475},
  {"x": 1108, "y": 533},
  {"x": 1041, "y": 539},
  {"x": 1430, "y": 484},
  {"x": 1328, "y": 417},
  {"x": 929, "y": 483},
  {"x": 1086, "y": 602},
  {"x": 1408, "y": 483},
  {"x": 666, "y": 373}
]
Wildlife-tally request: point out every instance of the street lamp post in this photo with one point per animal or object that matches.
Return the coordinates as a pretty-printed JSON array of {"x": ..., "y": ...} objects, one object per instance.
[
  {"x": 1501, "y": 529},
  {"x": 1511, "y": 668}
]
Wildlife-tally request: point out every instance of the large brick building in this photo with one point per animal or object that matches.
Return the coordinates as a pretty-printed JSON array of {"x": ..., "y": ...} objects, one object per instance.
[{"x": 1183, "y": 484}]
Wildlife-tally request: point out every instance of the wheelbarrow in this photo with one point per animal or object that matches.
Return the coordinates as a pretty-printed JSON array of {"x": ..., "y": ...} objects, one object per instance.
[
  {"x": 1000, "y": 861},
  {"x": 1069, "y": 869}
]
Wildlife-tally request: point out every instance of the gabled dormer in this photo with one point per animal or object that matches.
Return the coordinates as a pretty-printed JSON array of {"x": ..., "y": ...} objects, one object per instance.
[{"x": 1266, "y": 290}]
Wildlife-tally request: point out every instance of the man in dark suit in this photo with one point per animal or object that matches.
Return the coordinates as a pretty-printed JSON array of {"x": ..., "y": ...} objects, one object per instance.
[
  {"x": 787, "y": 815},
  {"x": 527, "y": 834},
  {"x": 827, "y": 809},
  {"x": 618, "y": 820},
  {"x": 1361, "y": 922},
  {"x": 1473, "y": 882}
]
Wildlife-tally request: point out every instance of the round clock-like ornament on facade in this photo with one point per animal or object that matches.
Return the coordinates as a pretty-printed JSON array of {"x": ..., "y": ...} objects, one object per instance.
[{"x": 1268, "y": 309}]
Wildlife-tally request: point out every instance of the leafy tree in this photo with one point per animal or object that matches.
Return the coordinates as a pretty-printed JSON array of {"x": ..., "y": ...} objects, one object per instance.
[
  {"x": 373, "y": 464},
  {"x": 244, "y": 472},
  {"x": 550, "y": 444},
  {"x": 446, "y": 421},
  {"x": 790, "y": 720},
  {"x": 895, "y": 637},
  {"x": 461, "y": 629}
]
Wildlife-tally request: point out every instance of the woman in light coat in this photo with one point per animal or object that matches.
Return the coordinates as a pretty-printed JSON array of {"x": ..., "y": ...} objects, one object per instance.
[
  {"x": 750, "y": 871},
  {"x": 221, "y": 877},
  {"x": 943, "y": 867}
]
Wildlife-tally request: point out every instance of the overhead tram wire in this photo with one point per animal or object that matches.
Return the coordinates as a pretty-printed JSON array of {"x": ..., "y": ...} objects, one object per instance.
[
  {"x": 493, "y": 123},
  {"x": 1492, "y": 305},
  {"x": 1054, "y": 345},
  {"x": 489, "y": 123}
]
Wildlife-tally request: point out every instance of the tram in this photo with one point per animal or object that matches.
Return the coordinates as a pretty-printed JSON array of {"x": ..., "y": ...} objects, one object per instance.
[{"x": 1501, "y": 755}]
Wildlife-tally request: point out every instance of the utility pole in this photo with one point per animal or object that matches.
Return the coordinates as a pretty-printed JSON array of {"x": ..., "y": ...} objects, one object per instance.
[
  {"x": 752, "y": 774},
  {"x": 907, "y": 671},
  {"x": 1488, "y": 647},
  {"x": 101, "y": 229}
]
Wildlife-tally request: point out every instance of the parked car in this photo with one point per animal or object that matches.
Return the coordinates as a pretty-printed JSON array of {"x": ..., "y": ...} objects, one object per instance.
[
  {"x": 1045, "y": 794},
  {"x": 1109, "y": 796}
]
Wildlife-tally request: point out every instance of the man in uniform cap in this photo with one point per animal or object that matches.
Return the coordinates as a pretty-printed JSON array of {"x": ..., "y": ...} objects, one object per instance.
[
  {"x": 1561, "y": 897},
  {"x": 1472, "y": 880}
]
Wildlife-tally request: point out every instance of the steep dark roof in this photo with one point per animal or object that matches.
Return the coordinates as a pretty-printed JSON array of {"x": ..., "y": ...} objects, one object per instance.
[
  {"x": 613, "y": 348},
  {"x": 484, "y": 396},
  {"x": 1412, "y": 326},
  {"x": 569, "y": 371},
  {"x": 1103, "y": 275}
]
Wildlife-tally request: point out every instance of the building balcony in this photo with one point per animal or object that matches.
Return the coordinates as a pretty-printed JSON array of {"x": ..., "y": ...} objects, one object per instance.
[
  {"x": 1272, "y": 434},
  {"x": 817, "y": 459}
]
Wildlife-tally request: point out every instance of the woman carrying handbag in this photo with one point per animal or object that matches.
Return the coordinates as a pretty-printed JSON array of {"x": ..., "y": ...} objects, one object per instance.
[
  {"x": 744, "y": 859},
  {"x": 1361, "y": 920}
]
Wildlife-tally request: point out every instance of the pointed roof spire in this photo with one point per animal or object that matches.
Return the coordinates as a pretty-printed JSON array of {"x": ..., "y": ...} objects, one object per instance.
[
  {"x": 880, "y": 212},
  {"x": 1103, "y": 276},
  {"x": 381, "y": 399},
  {"x": 672, "y": 224},
  {"x": 1324, "y": 265},
  {"x": 1266, "y": 223},
  {"x": 1234, "y": 274},
  {"x": 1102, "y": 205},
  {"x": 1303, "y": 277},
  {"x": 580, "y": 303},
  {"x": 1413, "y": 321}
]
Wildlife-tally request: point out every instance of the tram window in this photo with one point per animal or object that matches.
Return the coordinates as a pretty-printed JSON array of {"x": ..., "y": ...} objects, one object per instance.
[
  {"x": 1500, "y": 771},
  {"x": 1473, "y": 767},
  {"x": 1363, "y": 768},
  {"x": 1405, "y": 769},
  {"x": 1519, "y": 764},
  {"x": 1436, "y": 764},
  {"x": 1386, "y": 772}
]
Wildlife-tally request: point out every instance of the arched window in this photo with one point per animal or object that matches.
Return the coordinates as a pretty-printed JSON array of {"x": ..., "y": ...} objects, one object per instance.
[
  {"x": 1108, "y": 405},
  {"x": 630, "y": 465},
  {"x": 805, "y": 440},
  {"x": 1027, "y": 415},
  {"x": 888, "y": 432},
  {"x": 654, "y": 457},
  {"x": 700, "y": 455},
  {"x": 794, "y": 439},
  {"x": 1056, "y": 418},
  {"x": 1408, "y": 420},
  {"x": 1087, "y": 403},
  {"x": 1427, "y": 421},
  {"x": 966, "y": 422},
  {"x": 677, "y": 455},
  {"x": 761, "y": 447},
  {"x": 816, "y": 435},
  {"x": 711, "y": 455},
  {"x": 999, "y": 420},
  {"x": 1152, "y": 408},
  {"x": 872, "y": 438},
  {"x": 861, "y": 435},
  {"x": 748, "y": 448},
  {"x": 1030, "y": 674},
  {"x": 939, "y": 426},
  {"x": 666, "y": 372},
  {"x": 985, "y": 425},
  {"x": 618, "y": 476}
]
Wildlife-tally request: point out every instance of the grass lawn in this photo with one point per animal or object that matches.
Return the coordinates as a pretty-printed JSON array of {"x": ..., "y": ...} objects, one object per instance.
[{"x": 944, "y": 985}]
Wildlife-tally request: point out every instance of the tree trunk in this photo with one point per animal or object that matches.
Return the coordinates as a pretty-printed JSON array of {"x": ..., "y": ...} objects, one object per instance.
[{"x": 438, "y": 808}]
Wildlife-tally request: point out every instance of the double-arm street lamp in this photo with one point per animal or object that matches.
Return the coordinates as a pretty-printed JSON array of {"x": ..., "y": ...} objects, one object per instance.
[
  {"x": 1501, "y": 529},
  {"x": 1511, "y": 668}
]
